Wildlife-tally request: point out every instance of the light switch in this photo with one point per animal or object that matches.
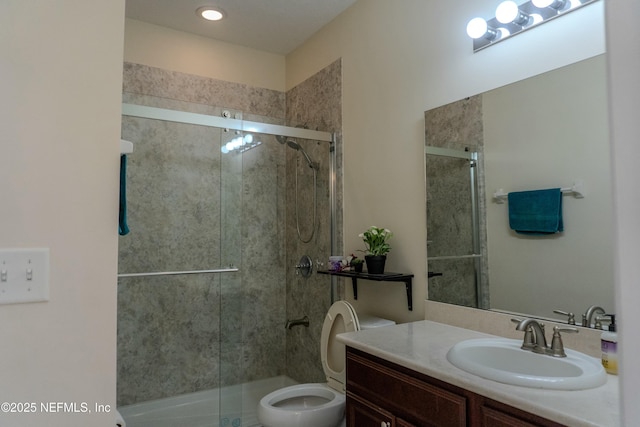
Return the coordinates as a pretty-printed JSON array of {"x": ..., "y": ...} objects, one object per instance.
[{"x": 24, "y": 275}]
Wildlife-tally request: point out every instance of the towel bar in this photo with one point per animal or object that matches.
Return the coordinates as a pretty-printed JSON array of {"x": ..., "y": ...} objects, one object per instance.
[
  {"x": 176, "y": 273},
  {"x": 577, "y": 190}
]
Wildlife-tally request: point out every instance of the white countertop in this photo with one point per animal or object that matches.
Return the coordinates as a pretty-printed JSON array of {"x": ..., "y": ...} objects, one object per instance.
[{"x": 422, "y": 346}]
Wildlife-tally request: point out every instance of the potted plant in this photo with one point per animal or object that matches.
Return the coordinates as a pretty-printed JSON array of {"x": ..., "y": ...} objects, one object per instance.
[
  {"x": 356, "y": 263},
  {"x": 377, "y": 248}
]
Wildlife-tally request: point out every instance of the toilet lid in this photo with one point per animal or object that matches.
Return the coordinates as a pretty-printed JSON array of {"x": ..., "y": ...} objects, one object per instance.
[{"x": 340, "y": 318}]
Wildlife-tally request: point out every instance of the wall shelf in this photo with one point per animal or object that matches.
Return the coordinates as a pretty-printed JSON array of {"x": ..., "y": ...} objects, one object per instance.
[{"x": 407, "y": 279}]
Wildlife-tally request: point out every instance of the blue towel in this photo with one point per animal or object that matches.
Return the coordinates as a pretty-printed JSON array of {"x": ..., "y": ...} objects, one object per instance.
[
  {"x": 123, "y": 228},
  {"x": 536, "y": 212}
]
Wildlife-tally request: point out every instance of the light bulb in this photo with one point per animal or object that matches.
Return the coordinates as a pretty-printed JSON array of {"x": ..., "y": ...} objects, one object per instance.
[
  {"x": 477, "y": 28},
  {"x": 537, "y": 18},
  {"x": 554, "y": 4},
  {"x": 542, "y": 3},
  {"x": 507, "y": 12},
  {"x": 210, "y": 14}
]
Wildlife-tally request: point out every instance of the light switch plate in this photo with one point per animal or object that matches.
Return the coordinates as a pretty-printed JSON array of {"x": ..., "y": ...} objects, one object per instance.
[{"x": 24, "y": 275}]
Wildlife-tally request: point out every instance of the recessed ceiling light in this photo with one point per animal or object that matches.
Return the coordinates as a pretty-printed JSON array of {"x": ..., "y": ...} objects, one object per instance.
[{"x": 210, "y": 13}]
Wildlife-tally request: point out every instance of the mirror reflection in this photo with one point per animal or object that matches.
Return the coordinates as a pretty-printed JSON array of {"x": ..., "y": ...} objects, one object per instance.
[{"x": 548, "y": 131}]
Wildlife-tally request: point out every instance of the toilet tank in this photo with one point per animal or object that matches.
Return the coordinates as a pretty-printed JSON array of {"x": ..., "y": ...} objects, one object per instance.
[{"x": 370, "y": 322}]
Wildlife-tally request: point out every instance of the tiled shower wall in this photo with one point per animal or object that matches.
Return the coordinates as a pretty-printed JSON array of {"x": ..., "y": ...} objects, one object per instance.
[
  {"x": 315, "y": 104},
  {"x": 189, "y": 206},
  {"x": 457, "y": 126}
]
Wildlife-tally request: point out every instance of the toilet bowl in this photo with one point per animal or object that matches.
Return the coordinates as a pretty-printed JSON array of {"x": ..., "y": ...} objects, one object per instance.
[{"x": 319, "y": 405}]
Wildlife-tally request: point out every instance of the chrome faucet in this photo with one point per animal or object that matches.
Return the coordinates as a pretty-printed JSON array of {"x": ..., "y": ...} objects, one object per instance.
[
  {"x": 291, "y": 323},
  {"x": 535, "y": 340},
  {"x": 588, "y": 316}
]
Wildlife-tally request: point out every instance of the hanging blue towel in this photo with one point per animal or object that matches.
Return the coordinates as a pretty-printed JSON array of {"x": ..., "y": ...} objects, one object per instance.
[
  {"x": 123, "y": 228},
  {"x": 536, "y": 212}
]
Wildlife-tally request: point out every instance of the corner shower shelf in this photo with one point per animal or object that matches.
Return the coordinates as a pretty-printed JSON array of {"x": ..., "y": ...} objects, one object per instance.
[{"x": 407, "y": 279}]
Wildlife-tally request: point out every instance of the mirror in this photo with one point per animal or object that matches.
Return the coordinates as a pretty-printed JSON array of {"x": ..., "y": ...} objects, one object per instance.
[{"x": 547, "y": 131}]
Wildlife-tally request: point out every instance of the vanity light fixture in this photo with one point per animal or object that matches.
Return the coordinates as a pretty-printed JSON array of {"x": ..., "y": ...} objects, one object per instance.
[
  {"x": 210, "y": 13},
  {"x": 511, "y": 19}
]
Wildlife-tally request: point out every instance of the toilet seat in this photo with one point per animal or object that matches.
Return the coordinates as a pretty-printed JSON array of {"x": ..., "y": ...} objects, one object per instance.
[
  {"x": 309, "y": 405},
  {"x": 319, "y": 405},
  {"x": 340, "y": 318}
]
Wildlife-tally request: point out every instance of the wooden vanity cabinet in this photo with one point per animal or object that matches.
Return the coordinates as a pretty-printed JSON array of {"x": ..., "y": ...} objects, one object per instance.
[{"x": 383, "y": 394}]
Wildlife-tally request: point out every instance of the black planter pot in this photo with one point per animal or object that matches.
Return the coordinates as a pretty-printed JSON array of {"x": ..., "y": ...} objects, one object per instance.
[{"x": 375, "y": 263}]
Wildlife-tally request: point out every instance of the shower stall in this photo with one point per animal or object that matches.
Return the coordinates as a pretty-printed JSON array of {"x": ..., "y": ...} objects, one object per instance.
[{"x": 221, "y": 203}]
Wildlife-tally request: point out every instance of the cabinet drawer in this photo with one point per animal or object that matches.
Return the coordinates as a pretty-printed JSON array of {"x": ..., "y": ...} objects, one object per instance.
[
  {"x": 407, "y": 397},
  {"x": 361, "y": 413},
  {"x": 495, "y": 414},
  {"x": 493, "y": 418}
]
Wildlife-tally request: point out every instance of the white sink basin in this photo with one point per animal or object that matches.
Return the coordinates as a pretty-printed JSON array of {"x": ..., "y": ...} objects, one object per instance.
[{"x": 502, "y": 360}]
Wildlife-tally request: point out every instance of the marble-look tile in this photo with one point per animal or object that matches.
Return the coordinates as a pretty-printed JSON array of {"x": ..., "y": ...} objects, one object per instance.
[
  {"x": 145, "y": 80},
  {"x": 190, "y": 207},
  {"x": 315, "y": 104}
]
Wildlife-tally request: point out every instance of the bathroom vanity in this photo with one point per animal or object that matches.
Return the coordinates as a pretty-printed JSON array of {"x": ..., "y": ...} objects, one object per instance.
[{"x": 400, "y": 376}]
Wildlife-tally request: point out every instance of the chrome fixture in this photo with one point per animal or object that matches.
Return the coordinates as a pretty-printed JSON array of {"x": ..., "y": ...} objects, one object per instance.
[
  {"x": 535, "y": 340},
  {"x": 587, "y": 317},
  {"x": 557, "y": 347},
  {"x": 511, "y": 19},
  {"x": 291, "y": 323},
  {"x": 304, "y": 266},
  {"x": 314, "y": 166},
  {"x": 571, "y": 317},
  {"x": 293, "y": 144}
]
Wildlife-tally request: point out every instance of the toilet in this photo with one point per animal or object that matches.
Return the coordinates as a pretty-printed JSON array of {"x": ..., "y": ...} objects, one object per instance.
[{"x": 319, "y": 404}]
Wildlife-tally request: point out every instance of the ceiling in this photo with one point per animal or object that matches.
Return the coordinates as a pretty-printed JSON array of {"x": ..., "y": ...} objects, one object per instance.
[{"x": 276, "y": 26}]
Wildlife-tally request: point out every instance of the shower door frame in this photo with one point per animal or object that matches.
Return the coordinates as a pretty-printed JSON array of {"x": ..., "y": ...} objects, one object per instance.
[
  {"x": 472, "y": 158},
  {"x": 145, "y": 112},
  {"x": 245, "y": 126}
]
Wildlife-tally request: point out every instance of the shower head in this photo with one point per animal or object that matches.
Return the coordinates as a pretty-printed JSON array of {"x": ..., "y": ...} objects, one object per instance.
[{"x": 291, "y": 143}]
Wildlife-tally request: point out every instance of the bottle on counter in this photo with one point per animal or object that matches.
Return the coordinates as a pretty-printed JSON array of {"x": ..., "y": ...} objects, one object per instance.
[{"x": 609, "y": 346}]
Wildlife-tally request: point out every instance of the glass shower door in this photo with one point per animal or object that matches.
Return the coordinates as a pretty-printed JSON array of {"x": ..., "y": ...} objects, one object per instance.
[
  {"x": 453, "y": 239},
  {"x": 168, "y": 309}
]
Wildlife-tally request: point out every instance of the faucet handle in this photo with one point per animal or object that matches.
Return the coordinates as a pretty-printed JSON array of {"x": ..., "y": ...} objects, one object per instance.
[
  {"x": 571, "y": 316},
  {"x": 557, "y": 347}
]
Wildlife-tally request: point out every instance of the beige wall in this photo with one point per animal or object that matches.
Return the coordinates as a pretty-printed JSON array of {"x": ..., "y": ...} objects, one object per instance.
[
  {"x": 400, "y": 59},
  {"x": 61, "y": 68},
  {"x": 553, "y": 132},
  {"x": 187, "y": 53},
  {"x": 61, "y": 95},
  {"x": 623, "y": 51}
]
